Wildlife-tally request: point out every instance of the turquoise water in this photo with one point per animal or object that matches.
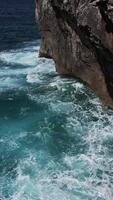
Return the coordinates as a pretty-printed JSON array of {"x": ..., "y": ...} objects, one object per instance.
[{"x": 56, "y": 138}]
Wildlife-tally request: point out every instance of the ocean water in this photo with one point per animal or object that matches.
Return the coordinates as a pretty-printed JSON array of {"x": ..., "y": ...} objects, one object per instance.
[{"x": 56, "y": 138}]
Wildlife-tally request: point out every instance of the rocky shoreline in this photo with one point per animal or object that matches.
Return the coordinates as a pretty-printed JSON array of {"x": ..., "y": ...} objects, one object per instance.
[{"x": 78, "y": 35}]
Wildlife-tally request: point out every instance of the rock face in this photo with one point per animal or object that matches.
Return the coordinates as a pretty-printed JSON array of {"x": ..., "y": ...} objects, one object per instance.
[{"x": 78, "y": 35}]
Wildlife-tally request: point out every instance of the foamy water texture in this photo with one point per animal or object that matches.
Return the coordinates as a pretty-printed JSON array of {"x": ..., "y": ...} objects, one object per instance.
[{"x": 56, "y": 138}]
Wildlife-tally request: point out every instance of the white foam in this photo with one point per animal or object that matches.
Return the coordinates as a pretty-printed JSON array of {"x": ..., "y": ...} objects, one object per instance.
[
  {"x": 26, "y": 58},
  {"x": 32, "y": 78},
  {"x": 23, "y": 56},
  {"x": 72, "y": 177},
  {"x": 78, "y": 85},
  {"x": 43, "y": 68}
]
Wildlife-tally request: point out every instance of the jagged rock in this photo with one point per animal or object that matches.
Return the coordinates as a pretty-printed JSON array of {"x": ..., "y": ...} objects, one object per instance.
[{"x": 78, "y": 35}]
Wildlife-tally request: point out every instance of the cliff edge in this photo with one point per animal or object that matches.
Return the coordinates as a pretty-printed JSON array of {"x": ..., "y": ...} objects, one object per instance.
[{"x": 78, "y": 35}]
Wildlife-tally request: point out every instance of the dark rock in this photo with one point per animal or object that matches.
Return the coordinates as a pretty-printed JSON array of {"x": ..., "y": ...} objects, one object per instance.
[{"x": 78, "y": 35}]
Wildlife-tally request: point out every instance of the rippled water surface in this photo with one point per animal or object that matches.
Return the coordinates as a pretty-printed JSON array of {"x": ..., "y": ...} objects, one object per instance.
[{"x": 56, "y": 139}]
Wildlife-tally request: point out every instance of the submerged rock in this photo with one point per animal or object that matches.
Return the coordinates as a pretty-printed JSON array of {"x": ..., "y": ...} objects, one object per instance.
[{"x": 78, "y": 35}]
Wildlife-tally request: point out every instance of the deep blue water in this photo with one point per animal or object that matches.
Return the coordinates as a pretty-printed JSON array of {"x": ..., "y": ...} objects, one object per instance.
[
  {"x": 17, "y": 23},
  {"x": 56, "y": 138}
]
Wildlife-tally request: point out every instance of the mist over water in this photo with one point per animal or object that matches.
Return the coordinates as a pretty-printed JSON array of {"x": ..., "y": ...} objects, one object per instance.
[{"x": 56, "y": 138}]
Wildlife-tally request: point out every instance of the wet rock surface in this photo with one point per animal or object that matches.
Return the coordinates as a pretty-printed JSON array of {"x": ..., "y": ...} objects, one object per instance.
[{"x": 78, "y": 35}]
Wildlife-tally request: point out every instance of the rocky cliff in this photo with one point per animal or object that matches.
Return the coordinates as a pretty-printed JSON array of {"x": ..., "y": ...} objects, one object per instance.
[{"x": 78, "y": 35}]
